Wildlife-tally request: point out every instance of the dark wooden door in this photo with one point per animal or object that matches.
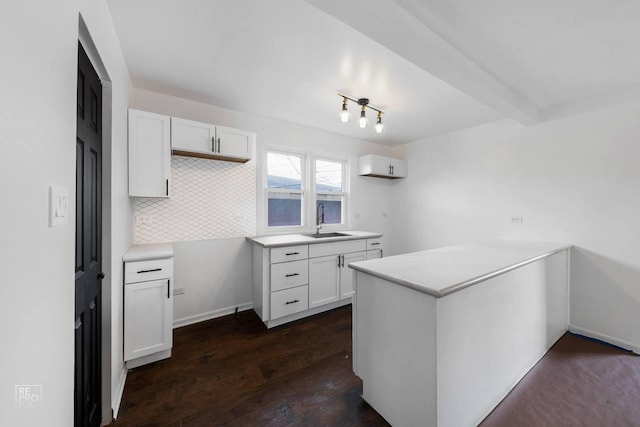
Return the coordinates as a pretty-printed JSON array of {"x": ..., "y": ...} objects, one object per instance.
[{"x": 88, "y": 265}]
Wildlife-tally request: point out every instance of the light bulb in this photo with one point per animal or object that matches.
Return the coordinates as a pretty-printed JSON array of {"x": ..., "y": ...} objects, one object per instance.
[
  {"x": 344, "y": 114},
  {"x": 379, "y": 127},
  {"x": 362, "y": 121}
]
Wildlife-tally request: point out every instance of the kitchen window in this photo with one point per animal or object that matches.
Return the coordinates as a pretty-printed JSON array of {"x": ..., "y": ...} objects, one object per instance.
[
  {"x": 299, "y": 188},
  {"x": 329, "y": 189},
  {"x": 285, "y": 189}
]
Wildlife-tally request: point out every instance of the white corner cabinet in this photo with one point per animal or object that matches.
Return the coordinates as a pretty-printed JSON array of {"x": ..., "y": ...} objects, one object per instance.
[
  {"x": 382, "y": 167},
  {"x": 154, "y": 137},
  {"x": 149, "y": 154},
  {"x": 296, "y": 281},
  {"x": 148, "y": 304},
  {"x": 196, "y": 139}
]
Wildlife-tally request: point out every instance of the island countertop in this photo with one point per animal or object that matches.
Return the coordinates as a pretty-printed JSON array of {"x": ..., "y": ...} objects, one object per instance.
[
  {"x": 277, "y": 240},
  {"x": 442, "y": 271}
]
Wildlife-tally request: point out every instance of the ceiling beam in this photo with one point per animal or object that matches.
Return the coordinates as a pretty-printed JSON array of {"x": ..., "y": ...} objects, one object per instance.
[{"x": 397, "y": 26}]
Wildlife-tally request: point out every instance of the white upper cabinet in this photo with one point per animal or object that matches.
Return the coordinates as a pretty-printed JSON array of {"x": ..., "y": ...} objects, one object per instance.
[
  {"x": 234, "y": 143},
  {"x": 189, "y": 138},
  {"x": 194, "y": 137},
  {"x": 149, "y": 154},
  {"x": 382, "y": 167}
]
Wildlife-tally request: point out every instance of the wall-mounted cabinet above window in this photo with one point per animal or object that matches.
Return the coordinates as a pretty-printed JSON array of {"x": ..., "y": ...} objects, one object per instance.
[
  {"x": 382, "y": 167},
  {"x": 195, "y": 139}
]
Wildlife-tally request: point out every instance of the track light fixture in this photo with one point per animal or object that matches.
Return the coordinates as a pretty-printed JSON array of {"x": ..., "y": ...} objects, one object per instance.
[{"x": 363, "y": 122}]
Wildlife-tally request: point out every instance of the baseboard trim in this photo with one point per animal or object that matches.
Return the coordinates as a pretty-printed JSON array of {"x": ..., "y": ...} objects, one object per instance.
[
  {"x": 189, "y": 320},
  {"x": 302, "y": 314},
  {"x": 115, "y": 404},
  {"x": 606, "y": 338}
]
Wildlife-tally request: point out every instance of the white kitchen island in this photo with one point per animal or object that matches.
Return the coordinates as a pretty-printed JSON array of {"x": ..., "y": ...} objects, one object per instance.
[{"x": 441, "y": 336}]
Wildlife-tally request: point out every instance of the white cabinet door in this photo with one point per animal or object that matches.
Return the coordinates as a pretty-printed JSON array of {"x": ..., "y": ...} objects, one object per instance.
[
  {"x": 381, "y": 166},
  {"x": 234, "y": 143},
  {"x": 148, "y": 318},
  {"x": 376, "y": 253},
  {"x": 347, "y": 275},
  {"x": 194, "y": 137},
  {"x": 149, "y": 154},
  {"x": 324, "y": 276},
  {"x": 398, "y": 168}
]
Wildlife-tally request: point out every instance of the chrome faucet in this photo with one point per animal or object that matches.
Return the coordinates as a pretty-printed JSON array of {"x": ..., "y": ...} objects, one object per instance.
[{"x": 319, "y": 217}]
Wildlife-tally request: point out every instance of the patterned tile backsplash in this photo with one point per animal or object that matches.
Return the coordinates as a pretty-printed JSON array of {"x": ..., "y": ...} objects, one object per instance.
[{"x": 210, "y": 199}]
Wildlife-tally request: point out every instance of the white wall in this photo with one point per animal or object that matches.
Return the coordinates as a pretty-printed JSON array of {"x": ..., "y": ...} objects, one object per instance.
[
  {"x": 38, "y": 41},
  {"x": 211, "y": 271},
  {"x": 575, "y": 180}
]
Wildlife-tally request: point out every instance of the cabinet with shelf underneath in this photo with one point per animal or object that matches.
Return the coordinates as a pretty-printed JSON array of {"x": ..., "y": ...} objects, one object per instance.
[
  {"x": 382, "y": 167},
  {"x": 292, "y": 282},
  {"x": 154, "y": 137},
  {"x": 196, "y": 139}
]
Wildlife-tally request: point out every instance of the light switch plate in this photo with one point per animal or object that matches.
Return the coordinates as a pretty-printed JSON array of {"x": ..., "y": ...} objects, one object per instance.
[{"x": 58, "y": 206}]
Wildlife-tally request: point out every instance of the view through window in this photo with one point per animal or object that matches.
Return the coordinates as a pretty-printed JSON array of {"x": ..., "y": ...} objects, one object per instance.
[
  {"x": 285, "y": 184},
  {"x": 288, "y": 191}
]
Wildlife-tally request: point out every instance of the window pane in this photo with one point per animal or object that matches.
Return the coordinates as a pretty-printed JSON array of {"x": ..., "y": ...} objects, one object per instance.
[
  {"x": 285, "y": 209},
  {"x": 329, "y": 176},
  {"x": 332, "y": 206},
  {"x": 284, "y": 171}
]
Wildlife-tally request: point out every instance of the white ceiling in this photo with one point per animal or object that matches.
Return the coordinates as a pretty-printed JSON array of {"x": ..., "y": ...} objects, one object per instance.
[{"x": 433, "y": 66}]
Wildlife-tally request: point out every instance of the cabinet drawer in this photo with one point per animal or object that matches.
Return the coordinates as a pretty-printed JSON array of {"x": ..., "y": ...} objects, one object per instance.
[
  {"x": 374, "y": 243},
  {"x": 289, "y": 301},
  {"x": 289, "y": 274},
  {"x": 337, "y": 248},
  {"x": 141, "y": 271},
  {"x": 289, "y": 253}
]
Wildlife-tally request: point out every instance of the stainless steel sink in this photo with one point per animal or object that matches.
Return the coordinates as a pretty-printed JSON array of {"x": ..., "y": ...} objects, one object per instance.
[{"x": 325, "y": 235}]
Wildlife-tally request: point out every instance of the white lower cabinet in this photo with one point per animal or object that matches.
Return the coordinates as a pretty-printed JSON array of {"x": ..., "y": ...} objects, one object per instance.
[
  {"x": 324, "y": 279},
  {"x": 377, "y": 253},
  {"x": 292, "y": 282},
  {"x": 330, "y": 278},
  {"x": 148, "y": 318},
  {"x": 148, "y": 311},
  {"x": 347, "y": 275}
]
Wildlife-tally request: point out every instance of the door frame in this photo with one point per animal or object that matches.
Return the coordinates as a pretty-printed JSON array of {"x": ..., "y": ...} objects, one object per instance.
[{"x": 84, "y": 37}]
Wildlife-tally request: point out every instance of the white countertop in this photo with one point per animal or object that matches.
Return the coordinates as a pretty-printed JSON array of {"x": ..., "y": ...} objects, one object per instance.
[
  {"x": 440, "y": 272},
  {"x": 147, "y": 252},
  {"x": 302, "y": 239}
]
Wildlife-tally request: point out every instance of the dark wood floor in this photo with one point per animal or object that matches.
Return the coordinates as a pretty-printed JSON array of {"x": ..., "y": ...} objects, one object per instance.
[{"x": 233, "y": 371}]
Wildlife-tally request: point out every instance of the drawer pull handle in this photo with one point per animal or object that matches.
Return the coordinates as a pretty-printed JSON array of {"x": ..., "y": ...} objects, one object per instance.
[
  {"x": 292, "y": 274},
  {"x": 292, "y": 301},
  {"x": 375, "y": 244},
  {"x": 149, "y": 271},
  {"x": 292, "y": 253}
]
